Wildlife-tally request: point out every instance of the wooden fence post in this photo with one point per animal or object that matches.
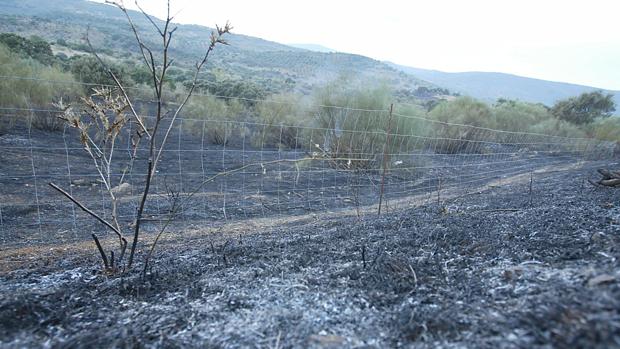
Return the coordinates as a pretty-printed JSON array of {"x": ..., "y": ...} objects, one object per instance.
[{"x": 385, "y": 157}]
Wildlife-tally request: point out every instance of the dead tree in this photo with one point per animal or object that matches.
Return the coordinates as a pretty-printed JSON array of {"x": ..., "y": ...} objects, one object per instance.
[{"x": 117, "y": 110}]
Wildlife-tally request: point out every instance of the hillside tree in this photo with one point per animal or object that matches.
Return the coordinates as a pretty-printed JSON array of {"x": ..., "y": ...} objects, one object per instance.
[
  {"x": 89, "y": 70},
  {"x": 585, "y": 108},
  {"x": 35, "y": 47}
]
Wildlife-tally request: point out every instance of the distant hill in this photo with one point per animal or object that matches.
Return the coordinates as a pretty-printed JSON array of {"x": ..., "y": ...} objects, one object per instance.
[
  {"x": 276, "y": 67},
  {"x": 273, "y": 66},
  {"x": 68, "y": 19},
  {"x": 491, "y": 86},
  {"x": 313, "y": 47}
]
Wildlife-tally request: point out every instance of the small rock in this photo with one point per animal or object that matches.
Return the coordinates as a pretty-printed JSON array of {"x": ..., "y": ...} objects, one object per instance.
[{"x": 601, "y": 279}]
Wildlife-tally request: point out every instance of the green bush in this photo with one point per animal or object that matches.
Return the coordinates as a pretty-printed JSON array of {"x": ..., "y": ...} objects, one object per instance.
[
  {"x": 35, "y": 86},
  {"x": 606, "y": 129},
  {"x": 557, "y": 127},
  {"x": 231, "y": 88},
  {"x": 280, "y": 120},
  {"x": 87, "y": 69},
  {"x": 413, "y": 134},
  {"x": 461, "y": 111},
  {"x": 506, "y": 115},
  {"x": 519, "y": 116},
  {"x": 35, "y": 47},
  {"x": 215, "y": 119},
  {"x": 357, "y": 134}
]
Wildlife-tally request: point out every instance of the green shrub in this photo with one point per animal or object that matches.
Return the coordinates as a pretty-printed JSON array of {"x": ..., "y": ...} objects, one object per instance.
[
  {"x": 280, "y": 120},
  {"x": 555, "y": 127},
  {"x": 357, "y": 134},
  {"x": 35, "y": 86},
  {"x": 414, "y": 134},
  {"x": 461, "y": 111},
  {"x": 215, "y": 119},
  {"x": 87, "y": 69},
  {"x": 35, "y": 47},
  {"x": 605, "y": 129},
  {"x": 235, "y": 88},
  {"x": 558, "y": 128},
  {"x": 519, "y": 116}
]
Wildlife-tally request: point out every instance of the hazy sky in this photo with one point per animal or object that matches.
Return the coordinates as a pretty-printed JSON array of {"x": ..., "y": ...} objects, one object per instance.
[{"x": 571, "y": 41}]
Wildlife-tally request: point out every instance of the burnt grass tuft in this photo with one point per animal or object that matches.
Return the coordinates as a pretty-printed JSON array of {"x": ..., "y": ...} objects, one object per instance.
[{"x": 485, "y": 271}]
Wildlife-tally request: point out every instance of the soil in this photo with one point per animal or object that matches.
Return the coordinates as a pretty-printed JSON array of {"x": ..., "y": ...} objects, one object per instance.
[{"x": 496, "y": 268}]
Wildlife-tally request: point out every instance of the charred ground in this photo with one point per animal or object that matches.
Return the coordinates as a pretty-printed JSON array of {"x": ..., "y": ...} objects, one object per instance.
[{"x": 483, "y": 270}]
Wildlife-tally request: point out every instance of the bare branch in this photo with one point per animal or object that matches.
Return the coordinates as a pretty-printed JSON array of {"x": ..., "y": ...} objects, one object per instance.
[
  {"x": 103, "y": 256},
  {"x": 149, "y": 18},
  {"x": 118, "y": 84},
  {"x": 85, "y": 209},
  {"x": 216, "y": 38},
  {"x": 132, "y": 158},
  {"x": 147, "y": 186},
  {"x": 147, "y": 54}
]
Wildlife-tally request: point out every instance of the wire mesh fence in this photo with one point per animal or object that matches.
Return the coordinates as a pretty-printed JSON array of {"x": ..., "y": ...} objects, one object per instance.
[{"x": 347, "y": 160}]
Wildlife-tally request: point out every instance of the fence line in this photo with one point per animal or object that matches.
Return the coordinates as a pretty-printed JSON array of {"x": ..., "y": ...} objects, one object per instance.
[
  {"x": 397, "y": 135},
  {"x": 273, "y": 170}
]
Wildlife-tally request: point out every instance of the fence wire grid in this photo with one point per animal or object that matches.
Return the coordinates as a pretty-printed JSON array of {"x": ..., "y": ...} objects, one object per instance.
[{"x": 351, "y": 161}]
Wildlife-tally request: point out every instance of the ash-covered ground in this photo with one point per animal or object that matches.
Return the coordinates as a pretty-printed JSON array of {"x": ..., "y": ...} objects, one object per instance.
[{"x": 497, "y": 268}]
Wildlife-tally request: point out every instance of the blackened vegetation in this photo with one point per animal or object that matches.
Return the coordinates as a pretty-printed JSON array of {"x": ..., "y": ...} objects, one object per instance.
[{"x": 500, "y": 268}]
